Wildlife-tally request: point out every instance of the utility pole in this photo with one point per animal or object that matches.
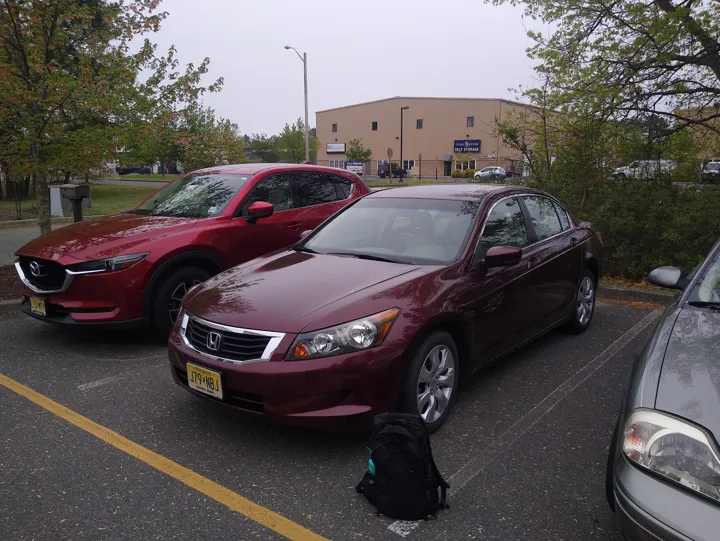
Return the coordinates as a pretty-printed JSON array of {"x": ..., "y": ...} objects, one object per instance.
[{"x": 303, "y": 57}]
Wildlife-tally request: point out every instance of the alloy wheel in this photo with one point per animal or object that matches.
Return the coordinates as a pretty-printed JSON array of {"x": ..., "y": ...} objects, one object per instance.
[
  {"x": 177, "y": 296},
  {"x": 585, "y": 300},
  {"x": 436, "y": 383}
]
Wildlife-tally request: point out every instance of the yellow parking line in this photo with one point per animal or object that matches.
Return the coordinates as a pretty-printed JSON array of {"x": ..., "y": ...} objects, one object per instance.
[{"x": 234, "y": 501}]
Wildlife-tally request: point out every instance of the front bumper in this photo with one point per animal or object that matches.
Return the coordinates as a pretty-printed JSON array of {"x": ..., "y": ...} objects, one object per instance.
[
  {"x": 651, "y": 509},
  {"x": 332, "y": 393},
  {"x": 102, "y": 298}
]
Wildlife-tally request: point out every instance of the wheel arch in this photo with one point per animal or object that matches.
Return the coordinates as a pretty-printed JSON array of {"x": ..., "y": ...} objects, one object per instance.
[
  {"x": 452, "y": 324},
  {"x": 203, "y": 259}
]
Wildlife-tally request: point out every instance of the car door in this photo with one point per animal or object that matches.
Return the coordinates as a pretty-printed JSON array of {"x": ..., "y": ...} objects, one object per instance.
[
  {"x": 555, "y": 260},
  {"x": 283, "y": 228},
  {"x": 318, "y": 196},
  {"x": 496, "y": 300}
]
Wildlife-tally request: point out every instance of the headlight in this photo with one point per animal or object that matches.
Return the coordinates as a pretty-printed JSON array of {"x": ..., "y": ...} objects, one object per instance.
[
  {"x": 107, "y": 265},
  {"x": 361, "y": 334},
  {"x": 674, "y": 449}
]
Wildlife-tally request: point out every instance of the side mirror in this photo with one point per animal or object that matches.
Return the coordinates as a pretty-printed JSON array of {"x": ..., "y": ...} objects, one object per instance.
[
  {"x": 259, "y": 209},
  {"x": 503, "y": 256},
  {"x": 305, "y": 233},
  {"x": 671, "y": 277}
]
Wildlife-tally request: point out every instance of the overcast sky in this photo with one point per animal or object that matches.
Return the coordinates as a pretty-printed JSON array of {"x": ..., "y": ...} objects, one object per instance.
[{"x": 358, "y": 50}]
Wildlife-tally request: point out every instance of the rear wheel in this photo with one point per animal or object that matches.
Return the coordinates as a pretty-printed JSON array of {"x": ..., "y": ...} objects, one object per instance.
[
  {"x": 431, "y": 380},
  {"x": 169, "y": 295},
  {"x": 584, "y": 306}
]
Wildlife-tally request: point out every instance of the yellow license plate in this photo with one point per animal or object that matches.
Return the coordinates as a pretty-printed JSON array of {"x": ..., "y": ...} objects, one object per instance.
[
  {"x": 204, "y": 380},
  {"x": 37, "y": 306}
]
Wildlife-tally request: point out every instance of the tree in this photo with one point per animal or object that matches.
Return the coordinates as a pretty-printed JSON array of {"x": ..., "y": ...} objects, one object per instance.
[
  {"x": 357, "y": 152},
  {"x": 291, "y": 143},
  {"x": 625, "y": 58},
  {"x": 67, "y": 76},
  {"x": 265, "y": 148},
  {"x": 206, "y": 142}
]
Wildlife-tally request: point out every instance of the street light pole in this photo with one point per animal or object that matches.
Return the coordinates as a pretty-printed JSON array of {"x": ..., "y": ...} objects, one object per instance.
[
  {"x": 303, "y": 57},
  {"x": 402, "y": 110}
]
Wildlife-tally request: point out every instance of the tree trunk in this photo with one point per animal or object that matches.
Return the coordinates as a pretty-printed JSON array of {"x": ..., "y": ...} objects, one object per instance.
[{"x": 42, "y": 197}]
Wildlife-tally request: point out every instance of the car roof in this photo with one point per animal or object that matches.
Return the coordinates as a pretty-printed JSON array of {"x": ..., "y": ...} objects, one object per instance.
[
  {"x": 254, "y": 168},
  {"x": 460, "y": 192}
]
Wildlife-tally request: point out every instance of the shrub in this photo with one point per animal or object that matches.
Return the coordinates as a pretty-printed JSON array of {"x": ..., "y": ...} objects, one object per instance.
[
  {"x": 469, "y": 173},
  {"x": 457, "y": 173}
]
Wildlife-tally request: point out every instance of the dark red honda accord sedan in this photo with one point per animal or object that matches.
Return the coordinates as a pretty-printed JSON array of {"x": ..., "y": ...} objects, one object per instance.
[{"x": 388, "y": 305}]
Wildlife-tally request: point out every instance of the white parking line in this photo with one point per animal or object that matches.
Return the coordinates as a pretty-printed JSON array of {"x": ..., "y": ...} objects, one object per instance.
[
  {"x": 119, "y": 377},
  {"x": 499, "y": 447}
]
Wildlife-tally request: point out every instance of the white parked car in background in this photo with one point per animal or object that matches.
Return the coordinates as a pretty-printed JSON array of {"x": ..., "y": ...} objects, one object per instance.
[
  {"x": 645, "y": 169},
  {"x": 490, "y": 173}
]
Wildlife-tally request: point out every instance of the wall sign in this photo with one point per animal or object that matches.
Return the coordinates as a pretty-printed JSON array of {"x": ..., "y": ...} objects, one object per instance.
[
  {"x": 335, "y": 148},
  {"x": 466, "y": 145}
]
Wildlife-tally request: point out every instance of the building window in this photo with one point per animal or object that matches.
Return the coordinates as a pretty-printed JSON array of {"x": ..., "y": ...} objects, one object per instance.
[
  {"x": 374, "y": 125},
  {"x": 340, "y": 164},
  {"x": 462, "y": 166},
  {"x": 334, "y": 128},
  {"x": 418, "y": 124},
  {"x": 470, "y": 122},
  {"x": 408, "y": 164}
]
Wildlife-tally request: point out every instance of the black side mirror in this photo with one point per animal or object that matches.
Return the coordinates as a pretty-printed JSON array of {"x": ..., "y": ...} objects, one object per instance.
[{"x": 670, "y": 277}]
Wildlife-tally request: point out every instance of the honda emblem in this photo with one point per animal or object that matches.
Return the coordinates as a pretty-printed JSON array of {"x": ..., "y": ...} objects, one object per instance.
[{"x": 213, "y": 341}]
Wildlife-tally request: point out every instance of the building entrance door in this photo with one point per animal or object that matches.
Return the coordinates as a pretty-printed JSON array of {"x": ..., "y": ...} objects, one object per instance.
[{"x": 447, "y": 169}]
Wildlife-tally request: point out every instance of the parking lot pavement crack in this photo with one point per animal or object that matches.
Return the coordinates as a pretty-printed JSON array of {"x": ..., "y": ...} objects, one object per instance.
[{"x": 500, "y": 446}]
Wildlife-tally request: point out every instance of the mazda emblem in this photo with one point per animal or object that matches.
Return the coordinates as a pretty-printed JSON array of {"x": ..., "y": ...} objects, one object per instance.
[
  {"x": 213, "y": 341},
  {"x": 37, "y": 270}
]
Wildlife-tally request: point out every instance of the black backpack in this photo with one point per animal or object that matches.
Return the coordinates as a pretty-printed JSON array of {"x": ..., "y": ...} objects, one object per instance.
[{"x": 406, "y": 483}]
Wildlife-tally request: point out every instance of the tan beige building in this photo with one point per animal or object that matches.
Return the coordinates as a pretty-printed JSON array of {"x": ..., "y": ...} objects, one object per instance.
[{"x": 439, "y": 134}]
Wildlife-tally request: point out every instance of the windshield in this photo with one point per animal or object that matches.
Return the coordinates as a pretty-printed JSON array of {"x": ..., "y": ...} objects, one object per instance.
[
  {"x": 197, "y": 195},
  {"x": 708, "y": 287},
  {"x": 712, "y": 167},
  {"x": 415, "y": 231}
]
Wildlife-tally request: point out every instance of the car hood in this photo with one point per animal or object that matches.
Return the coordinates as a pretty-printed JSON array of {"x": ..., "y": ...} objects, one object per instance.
[
  {"x": 690, "y": 378},
  {"x": 282, "y": 293},
  {"x": 103, "y": 237}
]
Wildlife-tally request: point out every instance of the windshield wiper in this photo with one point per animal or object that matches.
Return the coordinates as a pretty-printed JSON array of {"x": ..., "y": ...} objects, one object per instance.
[
  {"x": 304, "y": 249},
  {"x": 713, "y": 305},
  {"x": 371, "y": 257}
]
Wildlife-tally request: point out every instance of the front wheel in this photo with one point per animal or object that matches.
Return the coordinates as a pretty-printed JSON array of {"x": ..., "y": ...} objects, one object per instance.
[
  {"x": 431, "y": 380},
  {"x": 168, "y": 297},
  {"x": 583, "y": 308}
]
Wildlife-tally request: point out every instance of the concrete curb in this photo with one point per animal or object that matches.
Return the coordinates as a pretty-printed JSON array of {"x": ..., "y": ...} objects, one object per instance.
[
  {"x": 10, "y": 306},
  {"x": 634, "y": 295},
  {"x": 15, "y": 224}
]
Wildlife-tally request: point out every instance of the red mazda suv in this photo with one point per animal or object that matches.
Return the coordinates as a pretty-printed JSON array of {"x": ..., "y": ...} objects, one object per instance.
[
  {"x": 135, "y": 267},
  {"x": 388, "y": 305}
]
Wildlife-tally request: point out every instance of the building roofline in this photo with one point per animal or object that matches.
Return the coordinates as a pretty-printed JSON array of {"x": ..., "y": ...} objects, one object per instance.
[{"x": 511, "y": 102}]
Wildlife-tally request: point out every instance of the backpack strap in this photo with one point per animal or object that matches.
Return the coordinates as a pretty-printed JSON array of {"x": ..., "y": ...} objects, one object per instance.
[{"x": 444, "y": 485}]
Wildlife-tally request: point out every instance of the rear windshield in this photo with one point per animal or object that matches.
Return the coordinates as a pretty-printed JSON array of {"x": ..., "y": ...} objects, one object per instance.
[
  {"x": 197, "y": 195},
  {"x": 713, "y": 167}
]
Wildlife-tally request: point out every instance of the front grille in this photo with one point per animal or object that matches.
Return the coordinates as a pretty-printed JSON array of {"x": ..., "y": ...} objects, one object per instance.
[
  {"x": 233, "y": 346},
  {"x": 53, "y": 273}
]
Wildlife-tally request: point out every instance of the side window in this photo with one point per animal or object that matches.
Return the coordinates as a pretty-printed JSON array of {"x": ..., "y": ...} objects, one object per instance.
[
  {"x": 315, "y": 189},
  {"x": 543, "y": 216},
  {"x": 562, "y": 213},
  {"x": 274, "y": 189},
  {"x": 505, "y": 226},
  {"x": 343, "y": 186}
]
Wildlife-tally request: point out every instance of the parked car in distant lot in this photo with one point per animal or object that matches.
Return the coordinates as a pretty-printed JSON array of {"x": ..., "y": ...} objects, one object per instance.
[
  {"x": 135, "y": 267},
  {"x": 490, "y": 173},
  {"x": 645, "y": 170},
  {"x": 391, "y": 171},
  {"x": 388, "y": 305},
  {"x": 663, "y": 473},
  {"x": 711, "y": 173}
]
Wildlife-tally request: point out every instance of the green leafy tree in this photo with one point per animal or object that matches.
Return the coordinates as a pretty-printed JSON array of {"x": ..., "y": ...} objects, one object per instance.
[
  {"x": 357, "y": 152},
  {"x": 291, "y": 143},
  {"x": 206, "y": 142},
  {"x": 265, "y": 148},
  {"x": 625, "y": 58},
  {"x": 67, "y": 76}
]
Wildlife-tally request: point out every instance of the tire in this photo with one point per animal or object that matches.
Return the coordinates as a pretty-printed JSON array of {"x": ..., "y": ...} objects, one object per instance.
[
  {"x": 436, "y": 359},
  {"x": 167, "y": 297},
  {"x": 583, "y": 303},
  {"x": 610, "y": 469}
]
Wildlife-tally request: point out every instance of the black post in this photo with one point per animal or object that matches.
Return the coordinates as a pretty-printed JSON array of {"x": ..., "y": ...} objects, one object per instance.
[{"x": 77, "y": 210}]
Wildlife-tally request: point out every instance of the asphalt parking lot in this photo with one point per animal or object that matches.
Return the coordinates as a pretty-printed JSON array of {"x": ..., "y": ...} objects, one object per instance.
[{"x": 524, "y": 449}]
